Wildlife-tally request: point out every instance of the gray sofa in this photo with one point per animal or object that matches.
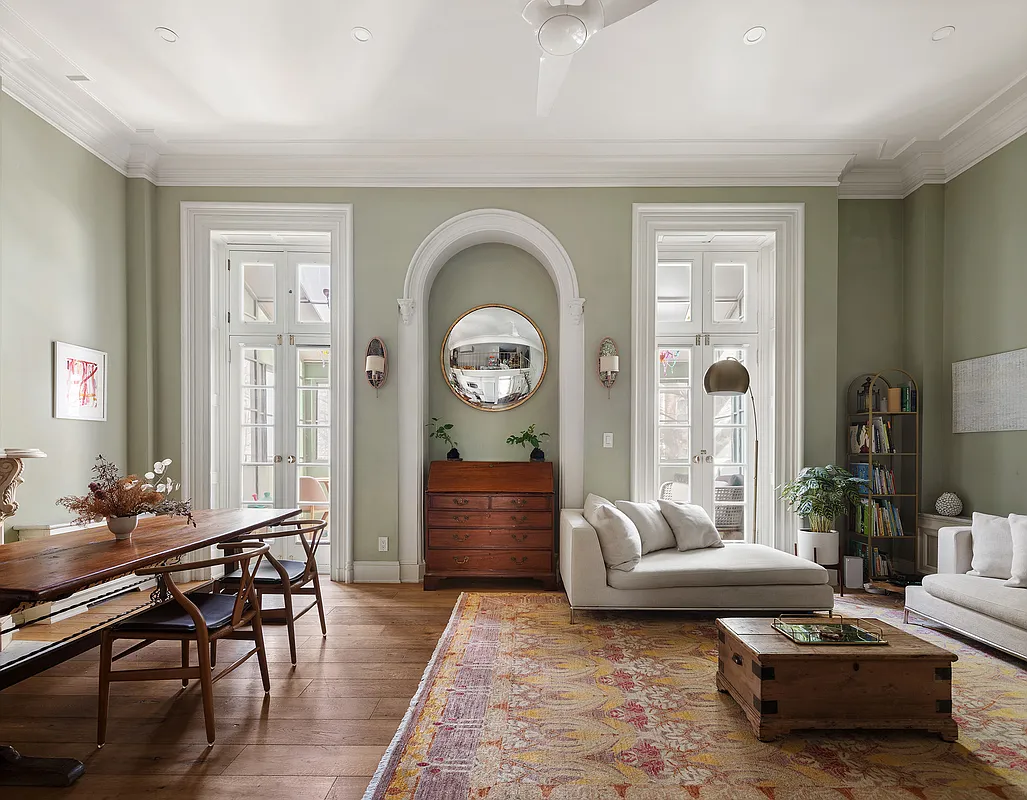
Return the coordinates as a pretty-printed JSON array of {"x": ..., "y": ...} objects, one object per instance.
[
  {"x": 984, "y": 609},
  {"x": 736, "y": 577}
]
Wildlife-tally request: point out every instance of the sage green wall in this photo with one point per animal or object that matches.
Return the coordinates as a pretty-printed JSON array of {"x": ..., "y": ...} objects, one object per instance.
[
  {"x": 494, "y": 273},
  {"x": 870, "y": 270},
  {"x": 141, "y": 249},
  {"x": 984, "y": 292},
  {"x": 924, "y": 223},
  {"x": 62, "y": 277},
  {"x": 594, "y": 225}
]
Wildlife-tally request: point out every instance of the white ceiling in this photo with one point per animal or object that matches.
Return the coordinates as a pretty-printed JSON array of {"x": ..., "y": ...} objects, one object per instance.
[{"x": 834, "y": 84}]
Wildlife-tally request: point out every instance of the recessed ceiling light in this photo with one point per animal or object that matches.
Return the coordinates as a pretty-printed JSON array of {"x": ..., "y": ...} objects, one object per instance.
[
  {"x": 166, "y": 34},
  {"x": 361, "y": 34},
  {"x": 754, "y": 35},
  {"x": 943, "y": 33}
]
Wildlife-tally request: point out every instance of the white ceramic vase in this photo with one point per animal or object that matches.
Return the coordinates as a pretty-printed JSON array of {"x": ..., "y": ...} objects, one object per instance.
[
  {"x": 122, "y": 527},
  {"x": 825, "y": 544}
]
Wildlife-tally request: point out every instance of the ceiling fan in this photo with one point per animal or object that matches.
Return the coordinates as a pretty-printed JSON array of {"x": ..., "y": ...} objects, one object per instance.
[{"x": 562, "y": 30}]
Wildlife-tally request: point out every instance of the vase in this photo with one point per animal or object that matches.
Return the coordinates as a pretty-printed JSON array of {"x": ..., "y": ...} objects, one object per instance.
[
  {"x": 825, "y": 545},
  {"x": 122, "y": 527},
  {"x": 453, "y": 455},
  {"x": 538, "y": 455}
]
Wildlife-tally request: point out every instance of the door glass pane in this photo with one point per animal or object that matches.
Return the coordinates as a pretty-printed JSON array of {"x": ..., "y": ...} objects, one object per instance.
[
  {"x": 730, "y": 441},
  {"x": 730, "y": 495},
  {"x": 313, "y": 293},
  {"x": 258, "y": 366},
  {"x": 258, "y": 292},
  {"x": 675, "y": 405},
  {"x": 728, "y": 292},
  {"x": 258, "y": 486},
  {"x": 313, "y": 435},
  {"x": 256, "y": 426},
  {"x": 258, "y": 406},
  {"x": 674, "y": 445},
  {"x": 674, "y": 282},
  {"x": 675, "y": 484},
  {"x": 675, "y": 364}
]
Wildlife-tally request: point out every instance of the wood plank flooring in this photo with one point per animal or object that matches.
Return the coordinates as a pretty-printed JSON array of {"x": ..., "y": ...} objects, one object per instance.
[{"x": 318, "y": 736}]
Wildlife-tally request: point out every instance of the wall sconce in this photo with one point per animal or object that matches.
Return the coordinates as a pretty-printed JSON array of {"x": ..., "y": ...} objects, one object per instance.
[
  {"x": 609, "y": 363},
  {"x": 376, "y": 365}
]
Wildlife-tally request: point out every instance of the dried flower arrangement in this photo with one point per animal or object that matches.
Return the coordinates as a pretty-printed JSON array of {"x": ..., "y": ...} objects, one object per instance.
[{"x": 114, "y": 495}]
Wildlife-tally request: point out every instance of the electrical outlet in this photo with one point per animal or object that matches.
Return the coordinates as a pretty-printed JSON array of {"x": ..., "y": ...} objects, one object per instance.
[
  {"x": 383, "y": 544},
  {"x": 607, "y": 440}
]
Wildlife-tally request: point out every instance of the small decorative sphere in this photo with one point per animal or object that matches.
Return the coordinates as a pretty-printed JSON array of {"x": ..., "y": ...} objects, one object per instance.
[{"x": 948, "y": 504}]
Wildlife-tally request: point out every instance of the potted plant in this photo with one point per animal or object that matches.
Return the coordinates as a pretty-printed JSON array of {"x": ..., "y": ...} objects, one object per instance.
[
  {"x": 121, "y": 499},
  {"x": 528, "y": 436},
  {"x": 821, "y": 495},
  {"x": 440, "y": 430}
]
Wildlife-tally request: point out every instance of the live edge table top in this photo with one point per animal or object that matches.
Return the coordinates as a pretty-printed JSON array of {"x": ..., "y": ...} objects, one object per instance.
[
  {"x": 56, "y": 567},
  {"x": 760, "y": 637}
]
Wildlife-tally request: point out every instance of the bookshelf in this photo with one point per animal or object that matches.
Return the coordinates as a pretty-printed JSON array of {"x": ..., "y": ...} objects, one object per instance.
[{"x": 882, "y": 438}]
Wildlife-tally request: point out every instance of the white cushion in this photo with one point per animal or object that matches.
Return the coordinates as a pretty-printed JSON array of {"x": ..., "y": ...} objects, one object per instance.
[
  {"x": 618, "y": 538},
  {"x": 692, "y": 526},
  {"x": 652, "y": 526},
  {"x": 1018, "y": 568},
  {"x": 592, "y": 503},
  {"x": 988, "y": 596},
  {"x": 993, "y": 547},
  {"x": 740, "y": 564}
]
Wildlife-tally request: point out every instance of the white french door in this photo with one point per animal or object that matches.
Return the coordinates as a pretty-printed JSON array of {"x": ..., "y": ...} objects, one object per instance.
[
  {"x": 704, "y": 444},
  {"x": 280, "y": 398}
]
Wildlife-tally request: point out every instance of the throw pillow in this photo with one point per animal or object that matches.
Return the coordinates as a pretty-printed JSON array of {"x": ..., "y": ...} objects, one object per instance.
[
  {"x": 592, "y": 503},
  {"x": 652, "y": 525},
  {"x": 692, "y": 526},
  {"x": 1018, "y": 530},
  {"x": 992, "y": 547},
  {"x": 618, "y": 539}
]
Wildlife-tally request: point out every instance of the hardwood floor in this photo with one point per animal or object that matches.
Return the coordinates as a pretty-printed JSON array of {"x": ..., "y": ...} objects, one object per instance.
[{"x": 318, "y": 736}]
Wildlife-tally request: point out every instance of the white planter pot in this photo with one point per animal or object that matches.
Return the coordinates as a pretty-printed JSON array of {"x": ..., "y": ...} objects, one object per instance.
[
  {"x": 122, "y": 527},
  {"x": 825, "y": 544}
]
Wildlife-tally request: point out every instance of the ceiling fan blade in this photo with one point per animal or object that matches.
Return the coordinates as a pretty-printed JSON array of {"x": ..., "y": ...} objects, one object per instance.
[
  {"x": 536, "y": 12},
  {"x": 616, "y": 10},
  {"x": 552, "y": 72}
]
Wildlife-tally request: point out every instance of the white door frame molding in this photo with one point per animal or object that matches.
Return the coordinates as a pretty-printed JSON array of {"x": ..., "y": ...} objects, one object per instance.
[
  {"x": 782, "y": 282},
  {"x": 203, "y": 336},
  {"x": 481, "y": 226}
]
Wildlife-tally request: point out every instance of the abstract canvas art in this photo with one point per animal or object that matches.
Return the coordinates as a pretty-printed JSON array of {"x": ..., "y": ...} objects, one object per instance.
[
  {"x": 80, "y": 382},
  {"x": 990, "y": 393}
]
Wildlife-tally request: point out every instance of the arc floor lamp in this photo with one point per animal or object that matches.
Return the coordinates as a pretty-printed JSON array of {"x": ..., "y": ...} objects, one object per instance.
[{"x": 729, "y": 377}]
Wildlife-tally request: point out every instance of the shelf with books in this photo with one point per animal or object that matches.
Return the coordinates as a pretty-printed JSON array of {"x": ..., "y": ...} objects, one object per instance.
[{"x": 883, "y": 442}]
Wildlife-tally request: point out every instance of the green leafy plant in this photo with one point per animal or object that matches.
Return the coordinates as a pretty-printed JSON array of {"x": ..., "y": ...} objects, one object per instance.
[
  {"x": 440, "y": 430},
  {"x": 822, "y": 494},
  {"x": 528, "y": 436}
]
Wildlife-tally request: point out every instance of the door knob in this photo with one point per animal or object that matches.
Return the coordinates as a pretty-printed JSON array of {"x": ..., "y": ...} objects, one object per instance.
[
  {"x": 709, "y": 459},
  {"x": 278, "y": 459},
  {"x": 291, "y": 459}
]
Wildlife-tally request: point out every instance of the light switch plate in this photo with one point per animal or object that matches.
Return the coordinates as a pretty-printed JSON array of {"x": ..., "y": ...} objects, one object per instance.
[
  {"x": 383, "y": 544},
  {"x": 607, "y": 440}
]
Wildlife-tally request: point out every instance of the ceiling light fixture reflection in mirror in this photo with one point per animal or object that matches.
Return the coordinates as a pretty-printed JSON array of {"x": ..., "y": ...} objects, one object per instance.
[{"x": 494, "y": 358}]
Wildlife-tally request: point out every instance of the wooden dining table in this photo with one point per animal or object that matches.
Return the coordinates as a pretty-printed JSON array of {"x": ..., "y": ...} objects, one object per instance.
[{"x": 45, "y": 570}]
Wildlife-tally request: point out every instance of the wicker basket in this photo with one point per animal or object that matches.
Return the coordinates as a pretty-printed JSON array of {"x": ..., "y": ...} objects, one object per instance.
[{"x": 729, "y": 518}]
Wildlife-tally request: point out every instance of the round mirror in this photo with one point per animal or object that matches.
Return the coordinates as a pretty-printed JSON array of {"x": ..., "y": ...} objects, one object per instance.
[{"x": 494, "y": 358}]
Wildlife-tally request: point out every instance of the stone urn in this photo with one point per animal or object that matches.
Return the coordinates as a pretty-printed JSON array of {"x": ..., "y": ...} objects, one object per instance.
[{"x": 122, "y": 527}]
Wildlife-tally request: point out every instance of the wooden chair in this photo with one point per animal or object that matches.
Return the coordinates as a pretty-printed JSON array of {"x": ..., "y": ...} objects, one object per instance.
[
  {"x": 289, "y": 578},
  {"x": 203, "y": 618}
]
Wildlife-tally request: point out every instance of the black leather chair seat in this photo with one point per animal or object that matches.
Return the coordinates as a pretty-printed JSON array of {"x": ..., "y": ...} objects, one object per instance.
[
  {"x": 266, "y": 573},
  {"x": 172, "y": 618}
]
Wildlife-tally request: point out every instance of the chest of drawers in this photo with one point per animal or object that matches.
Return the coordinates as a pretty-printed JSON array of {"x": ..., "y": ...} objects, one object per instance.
[{"x": 490, "y": 519}]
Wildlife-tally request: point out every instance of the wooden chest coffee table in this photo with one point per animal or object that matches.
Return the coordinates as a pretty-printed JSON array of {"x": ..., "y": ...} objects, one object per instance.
[{"x": 784, "y": 686}]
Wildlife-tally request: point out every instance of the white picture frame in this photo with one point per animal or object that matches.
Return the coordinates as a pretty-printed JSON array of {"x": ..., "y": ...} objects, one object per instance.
[{"x": 79, "y": 383}]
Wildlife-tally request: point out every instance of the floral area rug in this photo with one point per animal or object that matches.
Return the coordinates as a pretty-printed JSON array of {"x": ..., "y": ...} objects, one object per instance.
[{"x": 520, "y": 704}]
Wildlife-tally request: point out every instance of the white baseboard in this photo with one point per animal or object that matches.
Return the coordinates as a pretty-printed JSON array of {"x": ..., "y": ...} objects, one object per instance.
[
  {"x": 411, "y": 573},
  {"x": 376, "y": 572}
]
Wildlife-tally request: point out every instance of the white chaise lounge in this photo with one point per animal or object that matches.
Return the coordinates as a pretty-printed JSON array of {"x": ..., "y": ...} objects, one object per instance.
[{"x": 736, "y": 577}]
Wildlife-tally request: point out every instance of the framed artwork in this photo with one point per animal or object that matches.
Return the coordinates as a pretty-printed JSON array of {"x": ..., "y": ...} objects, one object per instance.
[{"x": 79, "y": 382}]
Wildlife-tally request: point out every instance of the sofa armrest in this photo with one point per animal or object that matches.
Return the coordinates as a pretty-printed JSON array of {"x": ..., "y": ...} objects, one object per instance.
[
  {"x": 581, "y": 560},
  {"x": 955, "y": 550}
]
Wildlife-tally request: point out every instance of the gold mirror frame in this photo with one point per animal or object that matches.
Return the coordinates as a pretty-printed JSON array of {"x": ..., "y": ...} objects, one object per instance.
[{"x": 541, "y": 377}]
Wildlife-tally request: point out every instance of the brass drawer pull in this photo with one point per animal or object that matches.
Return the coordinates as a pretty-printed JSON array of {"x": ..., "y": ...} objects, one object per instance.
[
  {"x": 460, "y": 501},
  {"x": 520, "y": 502},
  {"x": 737, "y": 659},
  {"x": 458, "y": 538},
  {"x": 521, "y": 560},
  {"x": 519, "y": 537},
  {"x": 463, "y": 560},
  {"x": 458, "y": 518},
  {"x": 522, "y": 518}
]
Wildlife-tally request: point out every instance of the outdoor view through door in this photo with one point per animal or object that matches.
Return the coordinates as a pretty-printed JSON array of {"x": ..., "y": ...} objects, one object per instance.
[
  {"x": 281, "y": 401},
  {"x": 706, "y": 311}
]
